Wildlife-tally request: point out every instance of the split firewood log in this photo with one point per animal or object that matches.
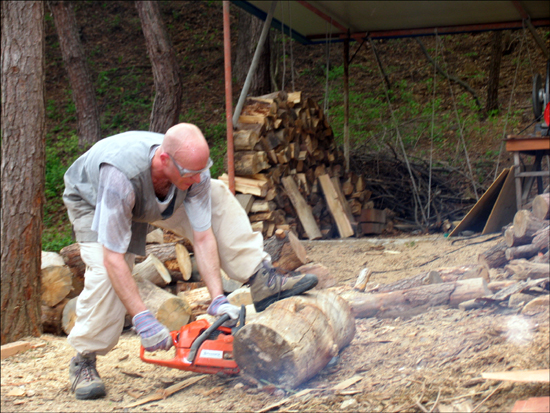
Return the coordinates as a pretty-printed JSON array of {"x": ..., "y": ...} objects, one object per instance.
[
  {"x": 56, "y": 279},
  {"x": 153, "y": 270},
  {"x": 541, "y": 206},
  {"x": 286, "y": 250},
  {"x": 174, "y": 256},
  {"x": 170, "y": 310},
  {"x": 406, "y": 303},
  {"x": 494, "y": 257},
  {"x": 293, "y": 339},
  {"x": 71, "y": 256}
]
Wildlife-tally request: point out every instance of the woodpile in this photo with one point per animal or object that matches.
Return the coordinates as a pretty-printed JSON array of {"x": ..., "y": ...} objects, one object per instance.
[
  {"x": 167, "y": 278},
  {"x": 523, "y": 253},
  {"x": 289, "y": 174}
]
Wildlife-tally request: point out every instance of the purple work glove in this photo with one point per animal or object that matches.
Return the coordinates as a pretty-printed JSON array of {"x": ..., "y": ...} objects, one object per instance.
[
  {"x": 154, "y": 336},
  {"x": 220, "y": 306}
]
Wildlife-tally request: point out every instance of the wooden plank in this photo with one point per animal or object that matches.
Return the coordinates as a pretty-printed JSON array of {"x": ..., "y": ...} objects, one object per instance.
[
  {"x": 335, "y": 207},
  {"x": 505, "y": 206},
  {"x": 10, "y": 349},
  {"x": 302, "y": 208},
  {"x": 246, "y": 201},
  {"x": 476, "y": 218},
  {"x": 372, "y": 215},
  {"x": 528, "y": 144},
  {"x": 542, "y": 376},
  {"x": 342, "y": 198}
]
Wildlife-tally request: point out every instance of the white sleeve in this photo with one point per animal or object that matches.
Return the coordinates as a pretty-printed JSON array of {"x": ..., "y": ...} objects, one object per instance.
[{"x": 113, "y": 214}]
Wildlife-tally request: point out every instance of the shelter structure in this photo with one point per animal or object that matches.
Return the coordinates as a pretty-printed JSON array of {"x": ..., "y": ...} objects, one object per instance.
[{"x": 306, "y": 21}]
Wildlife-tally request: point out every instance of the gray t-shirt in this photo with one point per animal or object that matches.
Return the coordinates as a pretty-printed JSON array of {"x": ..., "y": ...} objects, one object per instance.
[{"x": 116, "y": 199}]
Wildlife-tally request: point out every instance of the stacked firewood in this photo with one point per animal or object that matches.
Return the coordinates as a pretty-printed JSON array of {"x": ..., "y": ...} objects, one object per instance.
[
  {"x": 167, "y": 279},
  {"x": 524, "y": 252},
  {"x": 290, "y": 174}
]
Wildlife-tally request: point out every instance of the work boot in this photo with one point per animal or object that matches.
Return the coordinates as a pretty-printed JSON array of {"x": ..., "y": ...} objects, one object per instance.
[
  {"x": 267, "y": 285},
  {"x": 85, "y": 380}
]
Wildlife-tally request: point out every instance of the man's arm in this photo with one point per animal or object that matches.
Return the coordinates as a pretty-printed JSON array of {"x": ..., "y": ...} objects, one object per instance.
[
  {"x": 208, "y": 261},
  {"x": 123, "y": 282}
]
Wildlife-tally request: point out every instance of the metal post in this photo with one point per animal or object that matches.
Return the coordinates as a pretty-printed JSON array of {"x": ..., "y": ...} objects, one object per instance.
[
  {"x": 346, "y": 101},
  {"x": 228, "y": 96},
  {"x": 254, "y": 63}
]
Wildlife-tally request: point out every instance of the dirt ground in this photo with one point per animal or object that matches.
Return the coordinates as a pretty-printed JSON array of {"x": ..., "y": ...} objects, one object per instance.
[{"x": 432, "y": 358}]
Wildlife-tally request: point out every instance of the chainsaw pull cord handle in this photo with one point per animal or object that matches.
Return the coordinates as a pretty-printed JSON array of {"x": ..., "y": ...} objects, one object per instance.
[{"x": 200, "y": 339}]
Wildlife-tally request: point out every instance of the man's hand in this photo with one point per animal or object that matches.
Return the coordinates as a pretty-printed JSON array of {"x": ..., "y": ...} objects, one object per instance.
[
  {"x": 154, "y": 336},
  {"x": 220, "y": 306}
]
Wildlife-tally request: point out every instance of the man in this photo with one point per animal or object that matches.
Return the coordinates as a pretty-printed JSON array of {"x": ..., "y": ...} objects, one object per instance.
[{"x": 112, "y": 193}]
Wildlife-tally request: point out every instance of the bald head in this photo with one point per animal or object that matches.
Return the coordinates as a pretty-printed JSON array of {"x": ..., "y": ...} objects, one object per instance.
[{"x": 186, "y": 143}]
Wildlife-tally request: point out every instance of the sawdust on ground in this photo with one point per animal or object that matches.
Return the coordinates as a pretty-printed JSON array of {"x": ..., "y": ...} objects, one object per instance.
[{"x": 435, "y": 357}]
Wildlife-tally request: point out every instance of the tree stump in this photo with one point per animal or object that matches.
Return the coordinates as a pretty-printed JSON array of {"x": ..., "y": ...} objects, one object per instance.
[{"x": 294, "y": 338}]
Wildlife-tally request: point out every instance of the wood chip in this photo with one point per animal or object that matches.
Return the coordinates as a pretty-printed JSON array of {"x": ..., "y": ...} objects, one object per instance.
[
  {"x": 522, "y": 376},
  {"x": 347, "y": 383}
]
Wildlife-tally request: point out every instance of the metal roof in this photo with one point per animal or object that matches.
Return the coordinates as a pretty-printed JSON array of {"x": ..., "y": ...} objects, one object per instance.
[{"x": 315, "y": 21}]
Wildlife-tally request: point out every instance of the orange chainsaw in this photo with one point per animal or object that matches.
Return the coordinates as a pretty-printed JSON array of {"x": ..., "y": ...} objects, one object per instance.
[{"x": 203, "y": 347}]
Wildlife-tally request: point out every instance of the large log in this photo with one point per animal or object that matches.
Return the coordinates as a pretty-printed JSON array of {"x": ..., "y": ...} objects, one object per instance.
[
  {"x": 56, "y": 279},
  {"x": 51, "y": 318},
  {"x": 174, "y": 312},
  {"x": 71, "y": 256},
  {"x": 494, "y": 257},
  {"x": 406, "y": 303},
  {"x": 522, "y": 269},
  {"x": 174, "y": 256},
  {"x": 295, "y": 338},
  {"x": 68, "y": 316}
]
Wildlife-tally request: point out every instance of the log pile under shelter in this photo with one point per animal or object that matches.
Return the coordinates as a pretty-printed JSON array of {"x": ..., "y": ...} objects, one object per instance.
[{"x": 290, "y": 175}]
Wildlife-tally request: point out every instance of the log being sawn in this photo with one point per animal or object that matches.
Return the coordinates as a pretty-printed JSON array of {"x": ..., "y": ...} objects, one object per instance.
[{"x": 295, "y": 338}]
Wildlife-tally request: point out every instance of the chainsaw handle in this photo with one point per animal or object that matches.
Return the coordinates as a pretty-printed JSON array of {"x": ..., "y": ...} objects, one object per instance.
[{"x": 200, "y": 339}]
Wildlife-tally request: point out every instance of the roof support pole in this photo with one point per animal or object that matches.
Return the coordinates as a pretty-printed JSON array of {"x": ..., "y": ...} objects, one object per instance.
[
  {"x": 254, "y": 64},
  {"x": 346, "y": 101},
  {"x": 228, "y": 96},
  {"x": 527, "y": 20}
]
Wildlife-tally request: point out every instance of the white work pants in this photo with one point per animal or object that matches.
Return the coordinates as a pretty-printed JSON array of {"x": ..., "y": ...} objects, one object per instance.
[{"x": 100, "y": 313}]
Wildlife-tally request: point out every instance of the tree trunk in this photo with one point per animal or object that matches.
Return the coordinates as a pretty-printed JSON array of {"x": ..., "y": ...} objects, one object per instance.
[
  {"x": 166, "y": 74},
  {"x": 74, "y": 58},
  {"x": 250, "y": 29},
  {"x": 494, "y": 72},
  {"x": 23, "y": 167},
  {"x": 295, "y": 338}
]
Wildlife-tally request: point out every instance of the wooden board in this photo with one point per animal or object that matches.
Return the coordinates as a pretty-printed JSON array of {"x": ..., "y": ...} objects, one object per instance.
[
  {"x": 505, "y": 206},
  {"x": 476, "y": 218},
  {"x": 542, "y": 376}
]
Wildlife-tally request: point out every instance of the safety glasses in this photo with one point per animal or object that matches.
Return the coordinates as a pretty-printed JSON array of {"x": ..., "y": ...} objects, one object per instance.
[{"x": 186, "y": 173}]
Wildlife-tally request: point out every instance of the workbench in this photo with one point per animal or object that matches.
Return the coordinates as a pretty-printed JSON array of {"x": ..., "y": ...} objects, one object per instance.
[{"x": 528, "y": 145}]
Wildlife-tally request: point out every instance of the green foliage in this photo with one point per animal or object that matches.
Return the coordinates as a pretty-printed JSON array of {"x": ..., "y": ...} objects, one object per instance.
[{"x": 60, "y": 154}]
